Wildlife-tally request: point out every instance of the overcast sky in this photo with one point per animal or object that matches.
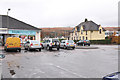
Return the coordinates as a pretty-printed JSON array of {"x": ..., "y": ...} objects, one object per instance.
[{"x": 62, "y": 13}]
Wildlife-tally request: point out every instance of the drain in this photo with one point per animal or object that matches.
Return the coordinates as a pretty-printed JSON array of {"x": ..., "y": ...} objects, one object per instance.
[{"x": 12, "y": 72}]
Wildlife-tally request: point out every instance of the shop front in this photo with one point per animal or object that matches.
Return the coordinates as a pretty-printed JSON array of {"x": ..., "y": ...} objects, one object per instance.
[{"x": 17, "y": 28}]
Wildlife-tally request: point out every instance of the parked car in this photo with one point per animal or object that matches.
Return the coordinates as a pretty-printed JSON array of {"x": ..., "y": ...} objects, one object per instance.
[
  {"x": 83, "y": 43},
  {"x": 32, "y": 44},
  {"x": 2, "y": 56},
  {"x": 113, "y": 76},
  {"x": 12, "y": 43},
  {"x": 67, "y": 44},
  {"x": 51, "y": 43}
]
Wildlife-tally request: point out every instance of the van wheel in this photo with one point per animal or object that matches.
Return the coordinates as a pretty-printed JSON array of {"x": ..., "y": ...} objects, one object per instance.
[
  {"x": 40, "y": 49},
  {"x": 19, "y": 50}
]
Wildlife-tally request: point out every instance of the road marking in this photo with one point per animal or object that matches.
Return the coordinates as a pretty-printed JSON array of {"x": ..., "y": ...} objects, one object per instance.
[{"x": 71, "y": 72}]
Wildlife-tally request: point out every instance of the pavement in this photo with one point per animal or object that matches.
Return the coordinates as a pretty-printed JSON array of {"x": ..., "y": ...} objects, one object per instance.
[
  {"x": 86, "y": 47},
  {"x": 78, "y": 63},
  {"x": 77, "y": 47}
]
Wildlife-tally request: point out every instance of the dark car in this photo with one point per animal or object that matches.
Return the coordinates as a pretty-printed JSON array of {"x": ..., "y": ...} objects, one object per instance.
[
  {"x": 83, "y": 43},
  {"x": 2, "y": 56},
  {"x": 113, "y": 76}
]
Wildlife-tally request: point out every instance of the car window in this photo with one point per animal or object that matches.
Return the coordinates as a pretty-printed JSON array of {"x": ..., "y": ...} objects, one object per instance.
[
  {"x": 27, "y": 42},
  {"x": 62, "y": 41},
  {"x": 48, "y": 41},
  {"x": 34, "y": 41},
  {"x": 70, "y": 41},
  {"x": 55, "y": 40}
]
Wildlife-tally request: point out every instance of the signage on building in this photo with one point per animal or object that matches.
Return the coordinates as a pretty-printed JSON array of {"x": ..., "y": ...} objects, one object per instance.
[
  {"x": 22, "y": 32},
  {"x": 3, "y": 32}
]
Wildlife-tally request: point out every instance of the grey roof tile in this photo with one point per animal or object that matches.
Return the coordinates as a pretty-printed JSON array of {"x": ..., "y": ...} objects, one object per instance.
[{"x": 16, "y": 24}]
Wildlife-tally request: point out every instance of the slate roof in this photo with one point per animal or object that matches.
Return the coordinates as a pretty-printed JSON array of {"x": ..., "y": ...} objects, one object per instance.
[
  {"x": 88, "y": 26},
  {"x": 16, "y": 24}
]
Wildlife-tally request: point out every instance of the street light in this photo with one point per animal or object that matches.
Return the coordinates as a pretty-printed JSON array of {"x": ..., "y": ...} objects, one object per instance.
[
  {"x": 8, "y": 11},
  {"x": 7, "y": 18}
]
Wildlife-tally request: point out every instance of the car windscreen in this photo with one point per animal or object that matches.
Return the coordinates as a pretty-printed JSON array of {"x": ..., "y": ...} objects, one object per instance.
[
  {"x": 70, "y": 41},
  {"x": 55, "y": 40},
  {"x": 34, "y": 41},
  {"x": 87, "y": 41}
]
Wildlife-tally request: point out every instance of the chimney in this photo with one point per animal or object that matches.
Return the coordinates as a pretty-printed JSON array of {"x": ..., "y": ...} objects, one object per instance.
[{"x": 86, "y": 20}]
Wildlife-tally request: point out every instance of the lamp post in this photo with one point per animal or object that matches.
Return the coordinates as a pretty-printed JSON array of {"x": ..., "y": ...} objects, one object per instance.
[
  {"x": 8, "y": 11},
  {"x": 7, "y": 18}
]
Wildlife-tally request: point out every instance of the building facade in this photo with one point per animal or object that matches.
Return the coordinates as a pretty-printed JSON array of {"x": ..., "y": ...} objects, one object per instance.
[
  {"x": 88, "y": 30},
  {"x": 12, "y": 27},
  {"x": 112, "y": 31}
]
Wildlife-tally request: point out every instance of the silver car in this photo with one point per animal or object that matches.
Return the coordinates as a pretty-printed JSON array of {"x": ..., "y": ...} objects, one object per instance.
[
  {"x": 32, "y": 44},
  {"x": 67, "y": 44},
  {"x": 51, "y": 43}
]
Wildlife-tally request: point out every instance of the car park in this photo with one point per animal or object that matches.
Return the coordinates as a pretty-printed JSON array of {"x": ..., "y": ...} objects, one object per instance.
[
  {"x": 12, "y": 43},
  {"x": 51, "y": 43},
  {"x": 83, "y": 43},
  {"x": 113, "y": 76},
  {"x": 67, "y": 44},
  {"x": 32, "y": 44}
]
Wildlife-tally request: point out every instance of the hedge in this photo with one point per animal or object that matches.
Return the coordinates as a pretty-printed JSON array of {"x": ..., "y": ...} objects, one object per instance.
[{"x": 106, "y": 41}]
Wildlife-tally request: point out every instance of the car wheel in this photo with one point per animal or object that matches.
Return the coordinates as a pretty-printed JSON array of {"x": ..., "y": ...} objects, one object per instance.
[
  {"x": 42, "y": 47},
  {"x": 73, "y": 48},
  {"x": 89, "y": 45},
  {"x": 57, "y": 48},
  {"x": 65, "y": 47},
  {"x": 39, "y": 49},
  {"x": 28, "y": 49},
  {"x": 83, "y": 44},
  {"x": 25, "y": 48},
  {"x": 50, "y": 48}
]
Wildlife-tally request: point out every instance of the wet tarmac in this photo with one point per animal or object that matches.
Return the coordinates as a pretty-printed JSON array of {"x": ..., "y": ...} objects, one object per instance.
[{"x": 78, "y": 63}]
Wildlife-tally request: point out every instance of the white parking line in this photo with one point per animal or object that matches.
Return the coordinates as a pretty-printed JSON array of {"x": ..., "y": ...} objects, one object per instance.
[{"x": 71, "y": 72}]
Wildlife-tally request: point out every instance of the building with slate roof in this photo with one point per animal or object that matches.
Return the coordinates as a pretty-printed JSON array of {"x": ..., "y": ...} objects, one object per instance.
[
  {"x": 87, "y": 30},
  {"x": 10, "y": 26}
]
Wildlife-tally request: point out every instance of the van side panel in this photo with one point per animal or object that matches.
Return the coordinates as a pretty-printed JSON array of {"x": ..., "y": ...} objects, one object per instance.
[{"x": 13, "y": 42}]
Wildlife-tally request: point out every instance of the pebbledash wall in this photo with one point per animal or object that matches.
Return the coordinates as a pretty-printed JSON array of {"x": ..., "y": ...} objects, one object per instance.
[{"x": 12, "y": 27}]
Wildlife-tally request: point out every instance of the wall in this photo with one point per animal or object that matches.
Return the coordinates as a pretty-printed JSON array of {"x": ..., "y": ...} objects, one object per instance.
[{"x": 38, "y": 36}]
